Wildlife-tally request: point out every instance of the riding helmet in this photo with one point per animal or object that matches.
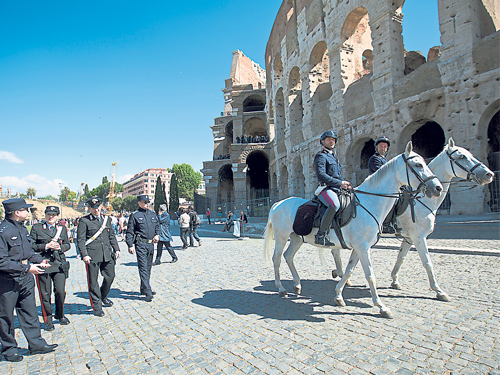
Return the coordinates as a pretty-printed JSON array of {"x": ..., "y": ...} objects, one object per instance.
[
  {"x": 383, "y": 139},
  {"x": 328, "y": 133}
]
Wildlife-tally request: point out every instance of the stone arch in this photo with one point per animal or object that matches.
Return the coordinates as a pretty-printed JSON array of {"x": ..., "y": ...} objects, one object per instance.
[
  {"x": 254, "y": 103},
  {"x": 357, "y": 40},
  {"x": 486, "y": 126},
  {"x": 283, "y": 186},
  {"x": 319, "y": 63},
  {"x": 254, "y": 126},
  {"x": 225, "y": 191},
  {"x": 278, "y": 69},
  {"x": 427, "y": 136},
  {"x": 356, "y": 156},
  {"x": 279, "y": 122},
  {"x": 257, "y": 175},
  {"x": 299, "y": 181},
  {"x": 296, "y": 109}
]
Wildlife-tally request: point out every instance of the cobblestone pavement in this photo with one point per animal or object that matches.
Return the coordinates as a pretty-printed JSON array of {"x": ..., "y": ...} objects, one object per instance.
[{"x": 217, "y": 311}]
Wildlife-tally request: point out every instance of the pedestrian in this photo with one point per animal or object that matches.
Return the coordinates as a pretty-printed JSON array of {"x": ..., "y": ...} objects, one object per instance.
[
  {"x": 143, "y": 231},
  {"x": 122, "y": 226},
  {"x": 99, "y": 250},
  {"x": 208, "y": 215},
  {"x": 74, "y": 237},
  {"x": 194, "y": 223},
  {"x": 18, "y": 264},
  {"x": 243, "y": 221},
  {"x": 184, "y": 220},
  {"x": 51, "y": 241},
  {"x": 165, "y": 236},
  {"x": 219, "y": 214},
  {"x": 229, "y": 222}
]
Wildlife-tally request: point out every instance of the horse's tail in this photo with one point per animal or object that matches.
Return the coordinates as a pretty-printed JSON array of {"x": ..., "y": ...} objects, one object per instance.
[{"x": 268, "y": 239}]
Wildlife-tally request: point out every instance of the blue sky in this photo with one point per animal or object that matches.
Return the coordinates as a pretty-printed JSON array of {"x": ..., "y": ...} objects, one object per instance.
[{"x": 87, "y": 83}]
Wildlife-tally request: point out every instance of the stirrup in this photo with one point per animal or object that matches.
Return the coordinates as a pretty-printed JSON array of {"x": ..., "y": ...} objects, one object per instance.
[{"x": 323, "y": 240}]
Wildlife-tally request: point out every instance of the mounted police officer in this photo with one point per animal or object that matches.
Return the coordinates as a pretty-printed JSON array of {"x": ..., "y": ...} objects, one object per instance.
[
  {"x": 143, "y": 231},
  {"x": 99, "y": 250},
  {"x": 51, "y": 241},
  {"x": 329, "y": 173},
  {"x": 378, "y": 159},
  {"x": 17, "y": 283}
]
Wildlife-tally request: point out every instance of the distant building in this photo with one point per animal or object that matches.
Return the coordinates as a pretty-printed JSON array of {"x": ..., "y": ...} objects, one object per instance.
[{"x": 145, "y": 183}]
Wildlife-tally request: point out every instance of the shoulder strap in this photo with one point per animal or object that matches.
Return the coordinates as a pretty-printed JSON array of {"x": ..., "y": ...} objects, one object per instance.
[{"x": 98, "y": 233}]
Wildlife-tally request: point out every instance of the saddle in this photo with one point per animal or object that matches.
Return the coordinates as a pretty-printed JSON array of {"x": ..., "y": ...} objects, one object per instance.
[
  {"x": 309, "y": 215},
  {"x": 400, "y": 206}
]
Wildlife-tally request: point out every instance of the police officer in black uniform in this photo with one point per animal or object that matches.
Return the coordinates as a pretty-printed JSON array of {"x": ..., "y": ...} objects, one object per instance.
[
  {"x": 99, "y": 250},
  {"x": 378, "y": 159},
  {"x": 143, "y": 231},
  {"x": 51, "y": 241},
  {"x": 17, "y": 283},
  {"x": 329, "y": 174}
]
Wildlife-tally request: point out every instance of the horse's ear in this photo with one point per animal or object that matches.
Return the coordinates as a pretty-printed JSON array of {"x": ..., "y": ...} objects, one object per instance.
[
  {"x": 451, "y": 143},
  {"x": 409, "y": 149}
]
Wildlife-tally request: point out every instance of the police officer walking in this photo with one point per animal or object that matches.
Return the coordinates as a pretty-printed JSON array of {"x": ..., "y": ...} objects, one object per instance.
[
  {"x": 143, "y": 231},
  {"x": 51, "y": 241},
  {"x": 378, "y": 159},
  {"x": 17, "y": 283},
  {"x": 329, "y": 173},
  {"x": 99, "y": 250}
]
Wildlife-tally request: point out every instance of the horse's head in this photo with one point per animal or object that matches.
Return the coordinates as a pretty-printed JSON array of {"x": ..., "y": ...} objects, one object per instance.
[
  {"x": 464, "y": 165},
  {"x": 418, "y": 173}
]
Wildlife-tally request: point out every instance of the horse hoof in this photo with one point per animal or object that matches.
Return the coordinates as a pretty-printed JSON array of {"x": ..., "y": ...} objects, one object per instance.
[
  {"x": 335, "y": 274},
  {"x": 297, "y": 289},
  {"x": 443, "y": 297},
  {"x": 387, "y": 314},
  {"x": 340, "y": 302},
  {"x": 396, "y": 285},
  {"x": 283, "y": 294}
]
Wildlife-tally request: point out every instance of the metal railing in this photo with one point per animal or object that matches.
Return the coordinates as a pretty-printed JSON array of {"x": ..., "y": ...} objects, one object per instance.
[{"x": 495, "y": 193}]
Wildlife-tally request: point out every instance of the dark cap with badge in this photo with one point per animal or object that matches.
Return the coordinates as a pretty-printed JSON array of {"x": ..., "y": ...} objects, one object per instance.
[
  {"x": 52, "y": 210},
  {"x": 14, "y": 204},
  {"x": 143, "y": 198},
  {"x": 94, "y": 202}
]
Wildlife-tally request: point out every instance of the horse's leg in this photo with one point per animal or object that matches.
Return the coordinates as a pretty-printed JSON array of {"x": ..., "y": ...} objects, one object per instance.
[
  {"x": 423, "y": 253},
  {"x": 353, "y": 261},
  {"x": 278, "y": 252},
  {"x": 295, "y": 243},
  {"x": 366, "y": 262},
  {"x": 403, "y": 251},
  {"x": 338, "y": 272}
]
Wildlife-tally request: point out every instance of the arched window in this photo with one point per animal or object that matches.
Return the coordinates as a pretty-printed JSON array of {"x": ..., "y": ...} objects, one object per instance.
[
  {"x": 253, "y": 103},
  {"x": 320, "y": 67}
]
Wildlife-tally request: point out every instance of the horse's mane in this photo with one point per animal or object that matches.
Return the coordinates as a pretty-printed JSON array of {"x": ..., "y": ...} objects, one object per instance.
[{"x": 374, "y": 179}]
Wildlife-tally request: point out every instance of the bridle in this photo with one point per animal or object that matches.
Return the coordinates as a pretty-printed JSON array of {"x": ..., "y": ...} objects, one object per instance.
[
  {"x": 423, "y": 182},
  {"x": 470, "y": 175}
]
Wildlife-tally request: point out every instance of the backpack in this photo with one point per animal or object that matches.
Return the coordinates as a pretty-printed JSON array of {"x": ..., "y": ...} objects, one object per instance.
[{"x": 195, "y": 219}]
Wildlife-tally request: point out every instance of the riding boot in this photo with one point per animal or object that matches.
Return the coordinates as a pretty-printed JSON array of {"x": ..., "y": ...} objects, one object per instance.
[{"x": 321, "y": 237}]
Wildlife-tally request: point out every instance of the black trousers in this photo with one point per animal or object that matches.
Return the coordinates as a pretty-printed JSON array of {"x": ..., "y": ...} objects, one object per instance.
[
  {"x": 96, "y": 293},
  {"x": 168, "y": 246},
  {"x": 19, "y": 293},
  {"x": 184, "y": 235},
  {"x": 193, "y": 235},
  {"x": 44, "y": 283},
  {"x": 144, "y": 253}
]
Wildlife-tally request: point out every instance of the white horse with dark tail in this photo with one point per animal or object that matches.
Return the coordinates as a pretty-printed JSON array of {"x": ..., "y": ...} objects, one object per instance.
[
  {"x": 452, "y": 162},
  {"x": 362, "y": 232}
]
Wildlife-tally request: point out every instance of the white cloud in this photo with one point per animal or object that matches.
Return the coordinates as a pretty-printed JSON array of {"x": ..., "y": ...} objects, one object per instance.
[
  {"x": 10, "y": 157},
  {"x": 42, "y": 185},
  {"x": 124, "y": 178}
]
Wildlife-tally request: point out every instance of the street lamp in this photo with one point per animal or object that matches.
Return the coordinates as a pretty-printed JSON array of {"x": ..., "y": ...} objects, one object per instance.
[{"x": 61, "y": 186}]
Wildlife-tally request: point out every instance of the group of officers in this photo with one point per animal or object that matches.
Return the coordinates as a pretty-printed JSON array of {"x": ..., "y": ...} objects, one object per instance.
[{"x": 39, "y": 255}]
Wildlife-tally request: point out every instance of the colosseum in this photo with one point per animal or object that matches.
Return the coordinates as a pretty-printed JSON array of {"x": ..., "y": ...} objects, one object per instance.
[{"x": 342, "y": 65}]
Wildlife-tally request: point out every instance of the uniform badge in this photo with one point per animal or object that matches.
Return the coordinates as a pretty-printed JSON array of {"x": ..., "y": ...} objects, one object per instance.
[
  {"x": 13, "y": 238},
  {"x": 141, "y": 218}
]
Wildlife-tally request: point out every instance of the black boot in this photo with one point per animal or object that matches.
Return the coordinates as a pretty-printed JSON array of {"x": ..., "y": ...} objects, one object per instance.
[
  {"x": 49, "y": 324},
  {"x": 322, "y": 239}
]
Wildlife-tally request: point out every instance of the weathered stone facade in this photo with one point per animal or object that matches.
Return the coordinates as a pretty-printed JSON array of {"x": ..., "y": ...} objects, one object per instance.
[
  {"x": 341, "y": 64},
  {"x": 239, "y": 169}
]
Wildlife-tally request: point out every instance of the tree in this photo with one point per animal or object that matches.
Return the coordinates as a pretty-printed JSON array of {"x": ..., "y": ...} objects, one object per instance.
[
  {"x": 130, "y": 203},
  {"x": 102, "y": 191},
  {"x": 104, "y": 180},
  {"x": 174, "y": 196},
  {"x": 65, "y": 194},
  {"x": 187, "y": 179},
  {"x": 117, "y": 204},
  {"x": 48, "y": 198},
  {"x": 31, "y": 192},
  {"x": 160, "y": 197},
  {"x": 86, "y": 193}
]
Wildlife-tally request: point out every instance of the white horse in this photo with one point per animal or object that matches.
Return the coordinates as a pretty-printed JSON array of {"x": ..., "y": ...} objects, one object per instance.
[
  {"x": 362, "y": 232},
  {"x": 453, "y": 161}
]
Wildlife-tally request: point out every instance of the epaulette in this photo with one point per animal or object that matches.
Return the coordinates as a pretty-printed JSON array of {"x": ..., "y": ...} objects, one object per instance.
[{"x": 3, "y": 226}]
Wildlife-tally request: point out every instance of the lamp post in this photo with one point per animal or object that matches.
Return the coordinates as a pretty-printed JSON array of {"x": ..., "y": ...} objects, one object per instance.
[{"x": 61, "y": 186}]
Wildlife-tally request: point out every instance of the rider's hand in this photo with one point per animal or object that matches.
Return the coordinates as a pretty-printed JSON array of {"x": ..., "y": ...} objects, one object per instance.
[
  {"x": 346, "y": 185},
  {"x": 131, "y": 250},
  {"x": 87, "y": 259}
]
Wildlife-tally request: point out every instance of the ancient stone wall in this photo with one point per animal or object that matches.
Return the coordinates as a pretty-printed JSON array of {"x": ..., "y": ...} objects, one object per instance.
[{"x": 342, "y": 65}]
